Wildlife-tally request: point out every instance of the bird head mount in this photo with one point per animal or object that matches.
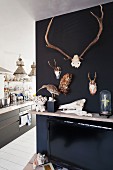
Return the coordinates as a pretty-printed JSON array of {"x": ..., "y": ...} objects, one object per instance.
[
  {"x": 76, "y": 60},
  {"x": 51, "y": 88},
  {"x": 57, "y": 70}
]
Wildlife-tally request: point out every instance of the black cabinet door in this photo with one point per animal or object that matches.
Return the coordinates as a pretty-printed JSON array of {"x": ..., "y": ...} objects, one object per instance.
[
  {"x": 8, "y": 115},
  {"x": 8, "y": 133}
]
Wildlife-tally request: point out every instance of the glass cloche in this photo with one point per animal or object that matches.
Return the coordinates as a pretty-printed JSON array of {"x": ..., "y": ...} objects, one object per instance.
[{"x": 105, "y": 102}]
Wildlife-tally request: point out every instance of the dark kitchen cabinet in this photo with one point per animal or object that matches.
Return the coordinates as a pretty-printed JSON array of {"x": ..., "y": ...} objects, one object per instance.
[
  {"x": 9, "y": 125},
  {"x": 8, "y": 133}
]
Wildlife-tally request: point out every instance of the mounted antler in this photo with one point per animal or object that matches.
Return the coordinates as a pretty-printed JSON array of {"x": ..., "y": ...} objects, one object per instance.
[
  {"x": 75, "y": 61},
  {"x": 57, "y": 70},
  {"x": 92, "y": 84},
  {"x": 52, "y": 46},
  {"x": 100, "y": 22}
]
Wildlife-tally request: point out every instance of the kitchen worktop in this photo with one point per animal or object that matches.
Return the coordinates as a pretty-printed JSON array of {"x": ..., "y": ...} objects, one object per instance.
[
  {"x": 95, "y": 117},
  {"x": 15, "y": 106}
]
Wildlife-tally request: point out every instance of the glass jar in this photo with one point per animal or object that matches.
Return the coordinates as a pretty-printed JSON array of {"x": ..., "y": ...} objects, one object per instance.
[{"x": 105, "y": 102}]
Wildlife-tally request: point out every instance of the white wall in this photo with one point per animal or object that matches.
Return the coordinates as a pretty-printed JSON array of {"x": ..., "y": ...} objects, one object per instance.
[{"x": 17, "y": 35}]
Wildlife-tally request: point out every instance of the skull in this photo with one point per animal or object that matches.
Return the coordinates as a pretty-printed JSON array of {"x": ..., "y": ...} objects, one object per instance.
[
  {"x": 92, "y": 87},
  {"x": 57, "y": 72},
  {"x": 75, "y": 61}
]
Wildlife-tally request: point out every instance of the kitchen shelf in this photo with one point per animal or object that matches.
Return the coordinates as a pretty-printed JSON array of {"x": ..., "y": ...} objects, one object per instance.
[{"x": 18, "y": 81}]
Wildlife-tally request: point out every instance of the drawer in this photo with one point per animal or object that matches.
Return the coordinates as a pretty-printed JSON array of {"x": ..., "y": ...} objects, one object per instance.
[
  {"x": 25, "y": 108},
  {"x": 9, "y": 121},
  {"x": 8, "y": 115},
  {"x": 8, "y": 133}
]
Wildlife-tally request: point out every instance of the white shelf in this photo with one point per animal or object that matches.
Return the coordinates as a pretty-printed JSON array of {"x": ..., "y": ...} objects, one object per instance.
[{"x": 18, "y": 81}]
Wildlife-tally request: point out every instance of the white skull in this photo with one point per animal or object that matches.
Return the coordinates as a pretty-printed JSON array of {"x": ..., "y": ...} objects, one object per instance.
[
  {"x": 92, "y": 87},
  {"x": 57, "y": 72},
  {"x": 75, "y": 61}
]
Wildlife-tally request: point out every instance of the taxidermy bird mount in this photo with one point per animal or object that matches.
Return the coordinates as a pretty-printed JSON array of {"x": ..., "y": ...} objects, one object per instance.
[
  {"x": 63, "y": 86},
  {"x": 64, "y": 83},
  {"x": 52, "y": 89}
]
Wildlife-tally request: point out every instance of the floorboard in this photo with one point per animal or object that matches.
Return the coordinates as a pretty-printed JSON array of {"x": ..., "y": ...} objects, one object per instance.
[{"x": 16, "y": 154}]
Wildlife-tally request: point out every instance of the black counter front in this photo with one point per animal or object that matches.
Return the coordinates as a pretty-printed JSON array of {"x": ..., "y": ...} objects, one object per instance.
[{"x": 76, "y": 143}]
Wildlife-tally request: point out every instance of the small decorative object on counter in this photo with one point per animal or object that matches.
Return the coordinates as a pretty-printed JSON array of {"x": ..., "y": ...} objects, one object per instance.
[
  {"x": 57, "y": 70},
  {"x": 75, "y": 108},
  {"x": 51, "y": 88},
  {"x": 51, "y": 105},
  {"x": 40, "y": 102},
  {"x": 76, "y": 105},
  {"x": 39, "y": 160},
  {"x": 105, "y": 103},
  {"x": 64, "y": 83},
  {"x": 7, "y": 77},
  {"x": 92, "y": 84}
]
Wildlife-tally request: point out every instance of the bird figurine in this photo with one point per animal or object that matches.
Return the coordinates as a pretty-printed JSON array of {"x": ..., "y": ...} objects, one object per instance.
[{"x": 51, "y": 88}]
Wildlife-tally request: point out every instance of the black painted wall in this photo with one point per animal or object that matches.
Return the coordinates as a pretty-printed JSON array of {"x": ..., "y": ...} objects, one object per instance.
[{"x": 72, "y": 33}]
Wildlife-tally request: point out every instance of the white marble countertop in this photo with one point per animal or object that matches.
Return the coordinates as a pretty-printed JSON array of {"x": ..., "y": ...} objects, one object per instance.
[
  {"x": 95, "y": 117},
  {"x": 15, "y": 106}
]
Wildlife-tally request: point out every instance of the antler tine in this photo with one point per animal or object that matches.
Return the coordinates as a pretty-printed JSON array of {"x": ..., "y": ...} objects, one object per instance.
[
  {"x": 102, "y": 13},
  {"x": 100, "y": 22},
  {"x": 95, "y": 76},
  {"x": 89, "y": 76},
  {"x": 51, "y": 65},
  {"x": 55, "y": 62},
  {"x": 49, "y": 45}
]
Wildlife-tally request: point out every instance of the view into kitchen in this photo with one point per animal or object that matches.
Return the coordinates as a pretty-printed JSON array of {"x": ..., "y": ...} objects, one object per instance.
[
  {"x": 17, "y": 93},
  {"x": 17, "y": 85}
]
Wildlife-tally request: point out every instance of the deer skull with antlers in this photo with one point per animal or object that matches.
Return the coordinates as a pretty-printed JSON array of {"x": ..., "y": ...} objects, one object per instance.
[
  {"x": 76, "y": 60},
  {"x": 57, "y": 70},
  {"x": 92, "y": 84}
]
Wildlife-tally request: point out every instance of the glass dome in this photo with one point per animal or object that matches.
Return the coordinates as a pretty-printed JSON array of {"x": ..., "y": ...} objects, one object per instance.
[{"x": 105, "y": 102}]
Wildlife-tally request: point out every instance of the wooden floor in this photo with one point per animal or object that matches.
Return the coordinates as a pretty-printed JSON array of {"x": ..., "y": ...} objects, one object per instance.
[{"x": 16, "y": 154}]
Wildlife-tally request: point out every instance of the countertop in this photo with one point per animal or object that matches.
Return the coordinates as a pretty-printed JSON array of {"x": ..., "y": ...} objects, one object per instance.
[
  {"x": 18, "y": 105},
  {"x": 95, "y": 117}
]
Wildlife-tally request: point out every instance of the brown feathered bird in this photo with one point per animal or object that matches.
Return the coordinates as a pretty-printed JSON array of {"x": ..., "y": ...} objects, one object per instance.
[
  {"x": 51, "y": 88},
  {"x": 64, "y": 83}
]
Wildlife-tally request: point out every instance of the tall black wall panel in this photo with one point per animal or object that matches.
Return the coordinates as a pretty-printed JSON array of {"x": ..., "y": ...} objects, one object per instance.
[{"x": 72, "y": 33}]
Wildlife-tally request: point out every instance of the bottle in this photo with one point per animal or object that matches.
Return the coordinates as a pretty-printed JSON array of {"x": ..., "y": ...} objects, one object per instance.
[{"x": 11, "y": 98}]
